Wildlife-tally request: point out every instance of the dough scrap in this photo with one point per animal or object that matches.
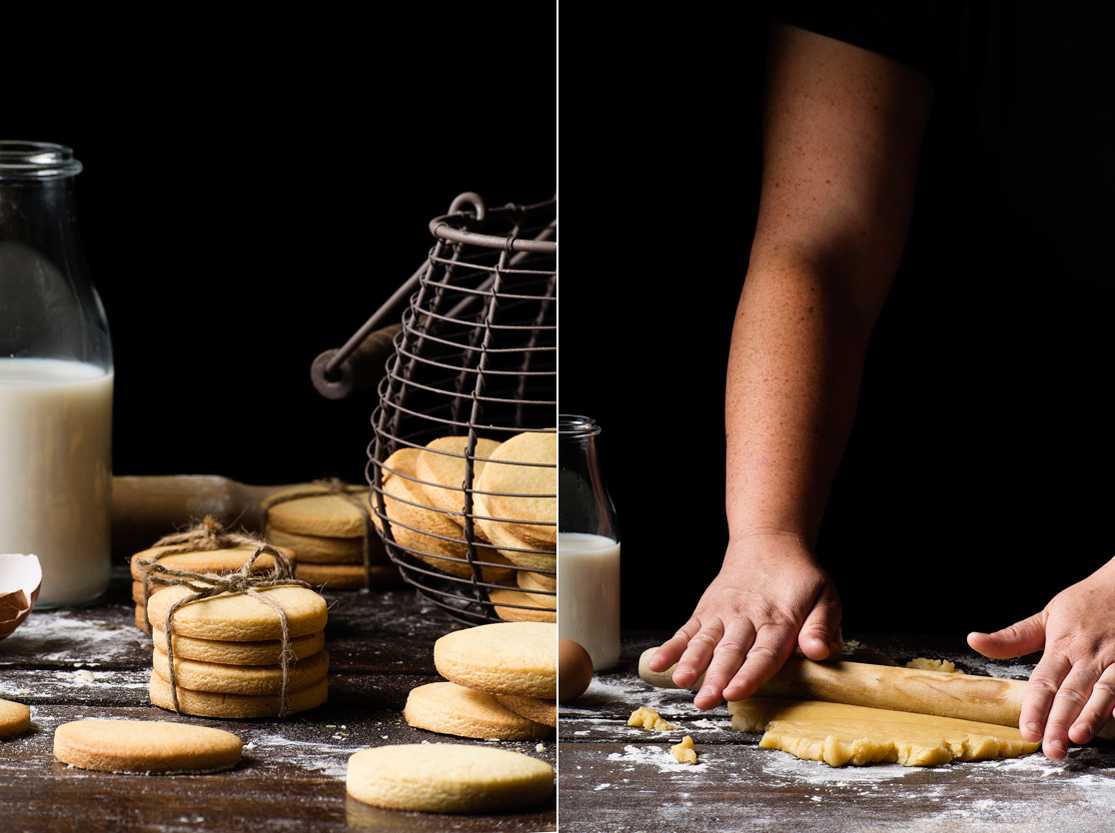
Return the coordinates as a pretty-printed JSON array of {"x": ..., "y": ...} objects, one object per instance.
[
  {"x": 448, "y": 778},
  {"x": 840, "y": 734},
  {"x": 926, "y": 664},
  {"x": 683, "y": 752},
  {"x": 647, "y": 718}
]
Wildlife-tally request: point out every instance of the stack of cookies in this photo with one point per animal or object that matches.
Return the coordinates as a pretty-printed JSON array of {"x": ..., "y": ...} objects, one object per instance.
[
  {"x": 514, "y": 531},
  {"x": 501, "y": 685},
  {"x": 219, "y": 561},
  {"x": 228, "y": 651},
  {"x": 327, "y": 532}
]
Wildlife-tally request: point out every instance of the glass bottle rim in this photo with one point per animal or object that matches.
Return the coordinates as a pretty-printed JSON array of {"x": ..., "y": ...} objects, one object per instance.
[
  {"x": 577, "y": 425},
  {"x": 23, "y": 160}
]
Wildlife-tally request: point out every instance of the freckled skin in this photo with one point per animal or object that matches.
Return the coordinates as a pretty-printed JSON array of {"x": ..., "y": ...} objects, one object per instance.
[{"x": 842, "y": 134}]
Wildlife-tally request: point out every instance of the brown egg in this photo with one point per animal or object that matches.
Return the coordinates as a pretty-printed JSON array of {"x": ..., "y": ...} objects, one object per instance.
[{"x": 574, "y": 670}]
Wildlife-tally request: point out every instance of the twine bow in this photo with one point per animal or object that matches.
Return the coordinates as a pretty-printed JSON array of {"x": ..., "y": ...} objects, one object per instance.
[
  {"x": 242, "y": 582},
  {"x": 326, "y": 487}
]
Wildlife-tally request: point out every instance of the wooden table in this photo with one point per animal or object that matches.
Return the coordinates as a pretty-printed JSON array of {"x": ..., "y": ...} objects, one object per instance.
[
  {"x": 617, "y": 778},
  {"x": 95, "y": 663}
]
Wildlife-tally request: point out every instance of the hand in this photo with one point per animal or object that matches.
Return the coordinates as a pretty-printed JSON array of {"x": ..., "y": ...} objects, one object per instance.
[
  {"x": 769, "y": 596},
  {"x": 1072, "y": 690}
]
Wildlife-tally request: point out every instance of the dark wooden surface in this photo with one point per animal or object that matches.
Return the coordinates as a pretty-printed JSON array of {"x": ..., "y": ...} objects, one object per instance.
[
  {"x": 95, "y": 663},
  {"x": 616, "y": 778}
]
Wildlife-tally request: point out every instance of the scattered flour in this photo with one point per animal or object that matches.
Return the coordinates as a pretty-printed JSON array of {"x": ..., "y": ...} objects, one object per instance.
[{"x": 658, "y": 756}]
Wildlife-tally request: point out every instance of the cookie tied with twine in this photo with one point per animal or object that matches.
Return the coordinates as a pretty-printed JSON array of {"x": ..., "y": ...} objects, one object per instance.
[
  {"x": 324, "y": 509},
  {"x": 206, "y": 547},
  {"x": 199, "y": 587}
]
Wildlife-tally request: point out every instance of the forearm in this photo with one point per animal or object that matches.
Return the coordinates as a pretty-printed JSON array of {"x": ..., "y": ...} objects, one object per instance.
[{"x": 797, "y": 356}]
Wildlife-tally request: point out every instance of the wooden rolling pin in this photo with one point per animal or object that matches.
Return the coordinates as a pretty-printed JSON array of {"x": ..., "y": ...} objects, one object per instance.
[
  {"x": 941, "y": 693},
  {"x": 146, "y": 508}
]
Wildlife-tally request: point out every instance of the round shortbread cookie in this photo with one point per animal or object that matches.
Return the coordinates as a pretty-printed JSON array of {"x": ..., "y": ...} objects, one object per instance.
[
  {"x": 238, "y": 653},
  {"x": 539, "y": 608},
  {"x": 406, "y": 520},
  {"x": 448, "y": 778},
  {"x": 333, "y": 576},
  {"x": 242, "y": 617},
  {"x": 15, "y": 718},
  {"x": 317, "y": 549},
  {"x": 528, "y": 513},
  {"x": 210, "y": 561},
  {"x": 511, "y": 546},
  {"x": 210, "y": 704},
  {"x": 253, "y": 680},
  {"x": 539, "y": 711},
  {"x": 145, "y": 746},
  {"x": 501, "y": 658},
  {"x": 326, "y": 515},
  {"x": 451, "y": 709},
  {"x": 449, "y": 472},
  {"x": 529, "y": 581}
]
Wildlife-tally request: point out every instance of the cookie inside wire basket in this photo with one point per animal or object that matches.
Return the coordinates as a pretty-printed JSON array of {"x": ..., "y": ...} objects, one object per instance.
[{"x": 475, "y": 358}]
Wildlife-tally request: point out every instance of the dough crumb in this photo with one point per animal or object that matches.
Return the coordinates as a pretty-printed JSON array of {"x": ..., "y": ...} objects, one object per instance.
[
  {"x": 684, "y": 753},
  {"x": 647, "y": 718},
  {"x": 926, "y": 664}
]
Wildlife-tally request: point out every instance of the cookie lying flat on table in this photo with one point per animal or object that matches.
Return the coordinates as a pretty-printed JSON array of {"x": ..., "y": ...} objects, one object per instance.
[
  {"x": 15, "y": 718},
  {"x": 241, "y": 617},
  {"x": 450, "y": 709},
  {"x": 238, "y": 653},
  {"x": 501, "y": 658},
  {"x": 145, "y": 746},
  {"x": 209, "y": 704},
  {"x": 251, "y": 680},
  {"x": 448, "y": 778}
]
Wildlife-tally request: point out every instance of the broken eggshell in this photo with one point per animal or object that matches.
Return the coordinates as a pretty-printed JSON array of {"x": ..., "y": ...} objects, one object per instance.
[{"x": 21, "y": 576}]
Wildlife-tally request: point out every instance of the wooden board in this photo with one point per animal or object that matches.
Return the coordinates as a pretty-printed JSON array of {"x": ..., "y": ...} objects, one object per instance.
[
  {"x": 95, "y": 663},
  {"x": 618, "y": 778}
]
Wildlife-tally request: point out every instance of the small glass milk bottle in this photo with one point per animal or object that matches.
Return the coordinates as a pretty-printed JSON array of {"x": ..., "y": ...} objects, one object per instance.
[
  {"x": 55, "y": 380},
  {"x": 588, "y": 546}
]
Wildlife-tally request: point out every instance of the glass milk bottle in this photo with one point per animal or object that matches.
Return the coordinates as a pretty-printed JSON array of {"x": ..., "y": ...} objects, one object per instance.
[
  {"x": 55, "y": 380},
  {"x": 588, "y": 546}
]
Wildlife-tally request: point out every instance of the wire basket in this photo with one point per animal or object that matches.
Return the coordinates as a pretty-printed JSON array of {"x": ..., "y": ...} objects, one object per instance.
[{"x": 476, "y": 356}]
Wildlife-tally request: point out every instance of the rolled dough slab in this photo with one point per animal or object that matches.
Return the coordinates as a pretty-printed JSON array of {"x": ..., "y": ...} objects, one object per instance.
[{"x": 839, "y": 734}]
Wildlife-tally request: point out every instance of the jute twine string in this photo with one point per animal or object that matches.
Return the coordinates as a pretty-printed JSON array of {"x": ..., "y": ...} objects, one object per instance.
[
  {"x": 206, "y": 536},
  {"x": 330, "y": 486},
  {"x": 242, "y": 582}
]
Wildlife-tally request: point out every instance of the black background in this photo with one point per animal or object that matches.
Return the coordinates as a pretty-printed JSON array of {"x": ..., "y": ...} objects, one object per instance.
[
  {"x": 977, "y": 481},
  {"x": 254, "y": 190}
]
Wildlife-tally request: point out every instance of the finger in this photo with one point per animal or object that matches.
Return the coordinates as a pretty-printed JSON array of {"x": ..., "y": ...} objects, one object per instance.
[
  {"x": 726, "y": 660},
  {"x": 1021, "y": 638},
  {"x": 671, "y": 650},
  {"x": 698, "y": 653},
  {"x": 1074, "y": 692},
  {"x": 1040, "y": 691},
  {"x": 773, "y": 644},
  {"x": 819, "y": 637},
  {"x": 1097, "y": 710}
]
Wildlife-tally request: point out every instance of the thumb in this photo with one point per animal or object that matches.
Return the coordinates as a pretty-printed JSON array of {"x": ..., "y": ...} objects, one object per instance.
[{"x": 1021, "y": 638}]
